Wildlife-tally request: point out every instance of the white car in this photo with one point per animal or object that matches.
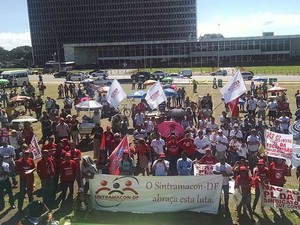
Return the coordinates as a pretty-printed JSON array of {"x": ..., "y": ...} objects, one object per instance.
[
  {"x": 219, "y": 73},
  {"x": 100, "y": 74},
  {"x": 77, "y": 77}
]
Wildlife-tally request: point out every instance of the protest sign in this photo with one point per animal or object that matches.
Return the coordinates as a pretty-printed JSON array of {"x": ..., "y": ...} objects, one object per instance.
[
  {"x": 203, "y": 169},
  {"x": 157, "y": 193},
  {"x": 35, "y": 148},
  {"x": 279, "y": 197},
  {"x": 279, "y": 145}
]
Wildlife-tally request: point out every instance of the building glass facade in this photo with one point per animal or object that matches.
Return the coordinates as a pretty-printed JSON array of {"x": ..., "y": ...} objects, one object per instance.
[{"x": 54, "y": 23}]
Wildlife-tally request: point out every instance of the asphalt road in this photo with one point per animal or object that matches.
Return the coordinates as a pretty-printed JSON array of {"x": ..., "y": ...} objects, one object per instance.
[{"x": 47, "y": 78}]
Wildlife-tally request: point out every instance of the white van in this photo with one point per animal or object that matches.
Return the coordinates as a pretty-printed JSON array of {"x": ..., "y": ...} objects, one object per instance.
[
  {"x": 186, "y": 73},
  {"x": 247, "y": 75},
  {"x": 16, "y": 76}
]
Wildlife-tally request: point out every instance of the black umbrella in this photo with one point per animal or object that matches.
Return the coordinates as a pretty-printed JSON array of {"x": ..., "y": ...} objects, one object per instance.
[{"x": 176, "y": 113}]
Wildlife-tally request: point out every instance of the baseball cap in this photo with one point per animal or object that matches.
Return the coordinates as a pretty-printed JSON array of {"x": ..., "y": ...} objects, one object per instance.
[
  {"x": 243, "y": 168},
  {"x": 220, "y": 130},
  {"x": 162, "y": 155},
  {"x": 68, "y": 154},
  {"x": 126, "y": 151},
  {"x": 261, "y": 162},
  {"x": 27, "y": 152}
]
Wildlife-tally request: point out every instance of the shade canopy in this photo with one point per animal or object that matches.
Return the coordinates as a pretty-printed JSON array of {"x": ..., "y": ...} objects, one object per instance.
[
  {"x": 90, "y": 105},
  {"x": 23, "y": 119},
  {"x": 137, "y": 94}
]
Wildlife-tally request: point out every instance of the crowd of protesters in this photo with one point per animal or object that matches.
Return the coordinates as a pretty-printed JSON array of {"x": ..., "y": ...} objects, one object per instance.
[{"x": 233, "y": 145}]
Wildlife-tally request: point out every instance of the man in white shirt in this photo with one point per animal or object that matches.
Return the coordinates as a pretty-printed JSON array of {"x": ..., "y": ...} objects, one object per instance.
[
  {"x": 222, "y": 143},
  {"x": 262, "y": 105},
  {"x": 5, "y": 185},
  {"x": 212, "y": 124},
  {"x": 226, "y": 170},
  {"x": 62, "y": 129},
  {"x": 139, "y": 133},
  {"x": 139, "y": 119},
  {"x": 236, "y": 132},
  {"x": 160, "y": 166},
  {"x": 284, "y": 123},
  {"x": 272, "y": 106},
  {"x": 253, "y": 142},
  {"x": 251, "y": 105},
  {"x": 201, "y": 142},
  {"x": 158, "y": 146},
  {"x": 9, "y": 154}
]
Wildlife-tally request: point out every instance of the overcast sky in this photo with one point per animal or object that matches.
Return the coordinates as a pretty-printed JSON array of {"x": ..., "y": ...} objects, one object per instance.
[{"x": 232, "y": 18}]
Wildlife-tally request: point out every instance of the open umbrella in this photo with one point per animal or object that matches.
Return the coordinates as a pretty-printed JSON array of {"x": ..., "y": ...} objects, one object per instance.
[
  {"x": 19, "y": 98},
  {"x": 172, "y": 86},
  {"x": 261, "y": 79},
  {"x": 276, "y": 88},
  {"x": 84, "y": 99},
  {"x": 167, "y": 79},
  {"x": 137, "y": 94},
  {"x": 4, "y": 81},
  {"x": 241, "y": 101},
  {"x": 23, "y": 119},
  {"x": 88, "y": 80},
  {"x": 167, "y": 127},
  {"x": 176, "y": 113},
  {"x": 169, "y": 92},
  {"x": 90, "y": 105},
  {"x": 149, "y": 82}
]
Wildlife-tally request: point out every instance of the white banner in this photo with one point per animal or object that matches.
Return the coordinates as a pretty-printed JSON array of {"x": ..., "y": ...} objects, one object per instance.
[
  {"x": 156, "y": 194},
  {"x": 115, "y": 94},
  {"x": 279, "y": 145},
  {"x": 203, "y": 169},
  {"x": 278, "y": 197},
  {"x": 35, "y": 148},
  {"x": 155, "y": 95}
]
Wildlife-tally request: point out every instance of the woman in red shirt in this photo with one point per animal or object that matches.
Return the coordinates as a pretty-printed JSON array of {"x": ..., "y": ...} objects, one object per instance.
[
  {"x": 208, "y": 158},
  {"x": 143, "y": 151},
  {"x": 187, "y": 145},
  {"x": 173, "y": 154}
]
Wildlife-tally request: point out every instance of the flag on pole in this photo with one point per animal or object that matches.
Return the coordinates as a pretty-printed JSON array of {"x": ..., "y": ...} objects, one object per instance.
[
  {"x": 34, "y": 148},
  {"x": 116, "y": 156},
  {"x": 115, "y": 94},
  {"x": 234, "y": 88},
  {"x": 155, "y": 95},
  {"x": 233, "y": 105}
]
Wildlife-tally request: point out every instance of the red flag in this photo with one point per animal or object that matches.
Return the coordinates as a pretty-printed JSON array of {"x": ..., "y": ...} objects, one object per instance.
[
  {"x": 103, "y": 142},
  {"x": 233, "y": 105},
  {"x": 116, "y": 156}
]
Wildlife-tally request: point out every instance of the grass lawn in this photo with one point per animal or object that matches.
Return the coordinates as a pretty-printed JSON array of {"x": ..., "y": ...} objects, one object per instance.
[{"x": 271, "y": 217}]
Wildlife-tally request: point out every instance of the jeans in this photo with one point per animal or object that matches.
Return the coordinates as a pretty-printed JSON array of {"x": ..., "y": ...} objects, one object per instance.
[
  {"x": 5, "y": 185},
  {"x": 225, "y": 189},
  {"x": 64, "y": 187},
  {"x": 257, "y": 195},
  {"x": 25, "y": 186}
]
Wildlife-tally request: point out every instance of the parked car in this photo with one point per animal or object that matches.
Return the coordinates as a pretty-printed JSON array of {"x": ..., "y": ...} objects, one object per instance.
[
  {"x": 158, "y": 75},
  {"x": 175, "y": 75},
  {"x": 60, "y": 74},
  {"x": 219, "y": 73},
  {"x": 141, "y": 75},
  {"x": 186, "y": 73},
  {"x": 77, "y": 77},
  {"x": 100, "y": 74},
  {"x": 100, "y": 81},
  {"x": 247, "y": 75}
]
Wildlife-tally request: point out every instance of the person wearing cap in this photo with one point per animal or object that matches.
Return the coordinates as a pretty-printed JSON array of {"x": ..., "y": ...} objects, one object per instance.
[
  {"x": 243, "y": 183},
  {"x": 184, "y": 165},
  {"x": 62, "y": 130},
  {"x": 16, "y": 140},
  {"x": 68, "y": 174},
  {"x": 126, "y": 164},
  {"x": 50, "y": 146},
  {"x": 201, "y": 142},
  {"x": 5, "y": 184},
  {"x": 260, "y": 175},
  {"x": 160, "y": 166},
  {"x": 208, "y": 158},
  {"x": 222, "y": 144},
  {"x": 224, "y": 169},
  {"x": 236, "y": 132},
  {"x": 24, "y": 168},
  {"x": 46, "y": 172}
]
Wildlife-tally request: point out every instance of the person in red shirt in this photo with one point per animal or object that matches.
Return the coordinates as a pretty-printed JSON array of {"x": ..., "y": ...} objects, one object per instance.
[
  {"x": 24, "y": 168},
  {"x": 173, "y": 154},
  {"x": 243, "y": 183},
  {"x": 58, "y": 159},
  {"x": 76, "y": 156},
  {"x": 208, "y": 158},
  {"x": 260, "y": 175},
  {"x": 116, "y": 141},
  {"x": 68, "y": 173},
  {"x": 108, "y": 137},
  {"x": 46, "y": 172},
  {"x": 187, "y": 145},
  {"x": 50, "y": 146},
  {"x": 144, "y": 156},
  {"x": 278, "y": 170}
]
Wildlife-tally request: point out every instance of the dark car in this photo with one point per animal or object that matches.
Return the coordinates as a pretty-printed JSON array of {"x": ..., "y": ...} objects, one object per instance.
[
  {"x": 141, "y": 75},
  {"x": 61, "y": 74}
]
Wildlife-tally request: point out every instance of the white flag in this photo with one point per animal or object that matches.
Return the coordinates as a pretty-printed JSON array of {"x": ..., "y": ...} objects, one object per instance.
[
  {"x": 234, "y": 88},
  {"x": 35, "y": 148},
  {"x": 155, "y": 95},
  {"x": 115, "y": 94}
]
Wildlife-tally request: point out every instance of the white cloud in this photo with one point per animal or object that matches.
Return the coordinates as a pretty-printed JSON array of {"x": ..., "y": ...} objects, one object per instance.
[
  {"x": 251, "y": 25},
  {"x": 11, "y": 40}
]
